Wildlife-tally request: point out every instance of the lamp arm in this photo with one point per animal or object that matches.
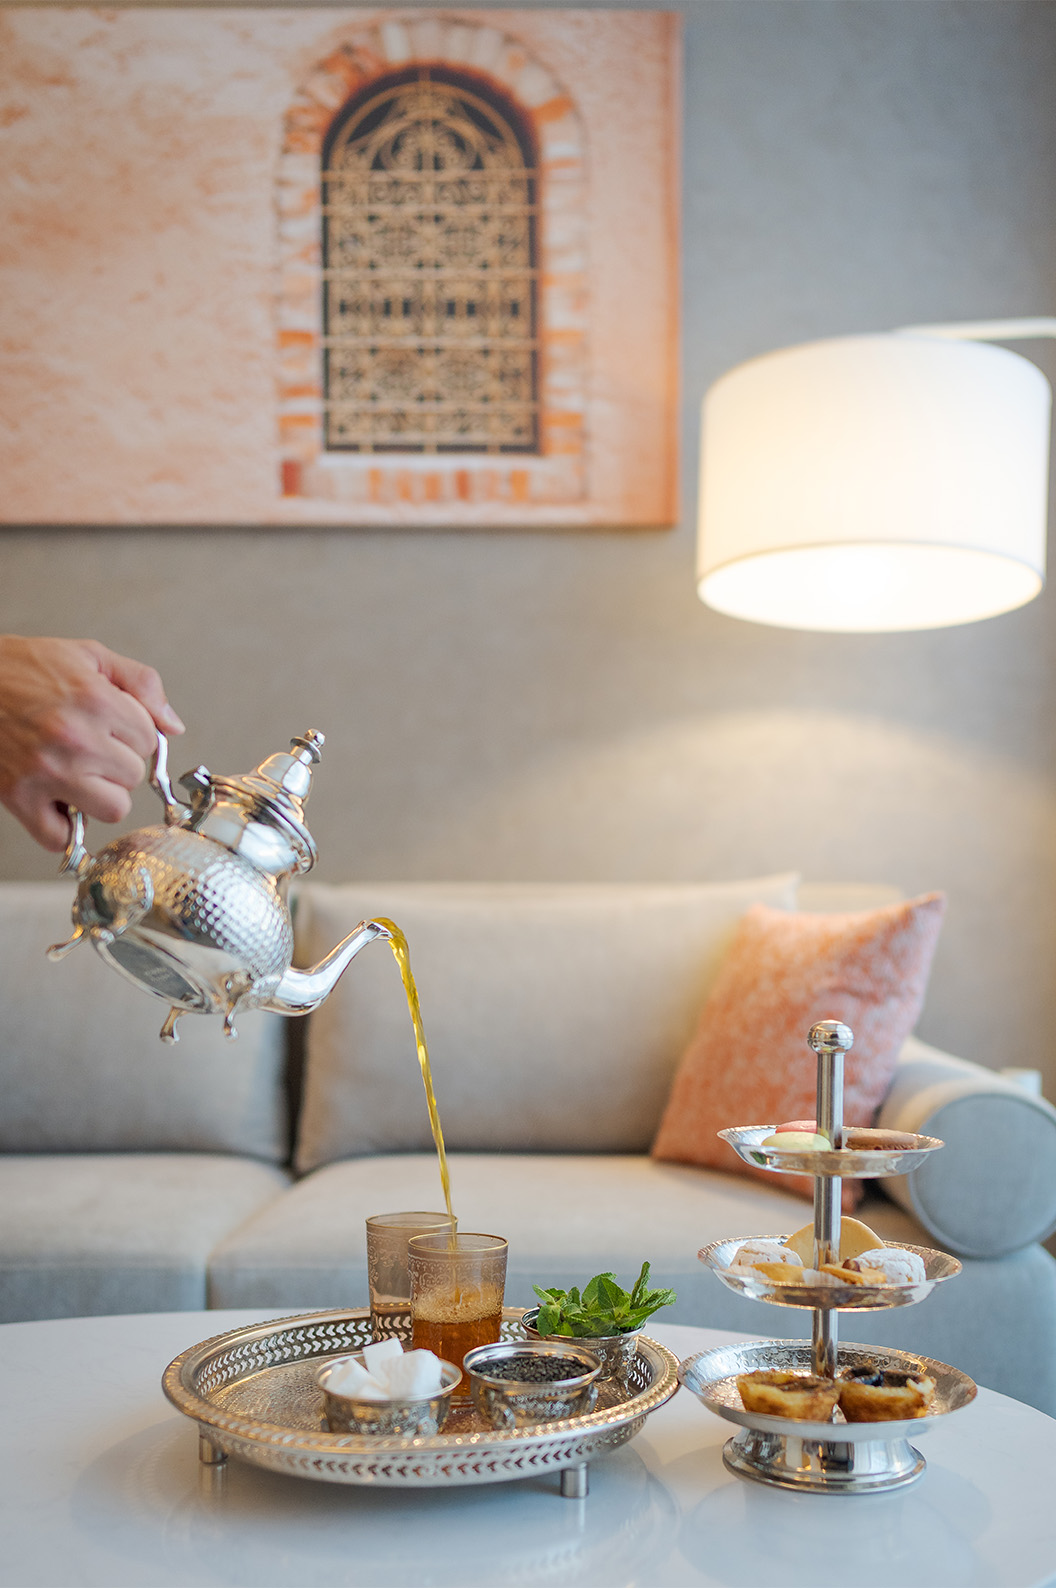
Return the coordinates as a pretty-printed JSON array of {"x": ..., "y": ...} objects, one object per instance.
[{"x": 987, "y": 330}]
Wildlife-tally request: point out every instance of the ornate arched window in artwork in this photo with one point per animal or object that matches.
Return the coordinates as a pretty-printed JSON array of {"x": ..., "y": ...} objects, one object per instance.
[
  {"x": 430, "y": 337},
  {"x": 434, "y": 291}
]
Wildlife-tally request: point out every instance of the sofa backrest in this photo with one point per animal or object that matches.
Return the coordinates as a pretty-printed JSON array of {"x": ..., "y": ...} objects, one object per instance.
[
  {"x": 555, "y": 1014},
  {"x": 81, "y": 1066}
]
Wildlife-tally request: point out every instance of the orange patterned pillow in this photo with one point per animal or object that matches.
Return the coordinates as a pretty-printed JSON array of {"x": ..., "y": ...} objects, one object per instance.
[{"x": 748, "y": 1062}]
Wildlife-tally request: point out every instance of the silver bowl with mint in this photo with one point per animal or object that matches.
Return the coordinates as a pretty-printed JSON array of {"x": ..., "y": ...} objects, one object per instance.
[{"x": 604, "y": 1318}]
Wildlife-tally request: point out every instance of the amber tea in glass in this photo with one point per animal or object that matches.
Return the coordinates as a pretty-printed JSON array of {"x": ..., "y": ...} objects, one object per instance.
[{"x": 457, "y": 1288}]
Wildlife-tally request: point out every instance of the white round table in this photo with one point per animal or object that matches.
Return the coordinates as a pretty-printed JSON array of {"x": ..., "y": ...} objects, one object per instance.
[{"x": 100, "y": 1484}]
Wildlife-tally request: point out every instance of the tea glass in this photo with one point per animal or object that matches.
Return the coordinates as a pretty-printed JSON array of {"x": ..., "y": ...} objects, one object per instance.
[
  {"x": 387, "y": 1275},
  {"x": 458, "y": 1284}
]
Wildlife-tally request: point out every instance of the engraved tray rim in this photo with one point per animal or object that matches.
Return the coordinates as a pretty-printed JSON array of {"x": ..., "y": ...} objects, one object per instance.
[
  {"x": 830, "y": 1298},
  {"x": 867, "y": 1163},
  {"x": 750, "y": 1355},
  {"x": 363, "y": 1458}
]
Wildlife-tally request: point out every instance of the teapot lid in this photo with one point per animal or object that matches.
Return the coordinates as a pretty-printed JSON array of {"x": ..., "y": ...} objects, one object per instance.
[{"x": 276, "y": 792}]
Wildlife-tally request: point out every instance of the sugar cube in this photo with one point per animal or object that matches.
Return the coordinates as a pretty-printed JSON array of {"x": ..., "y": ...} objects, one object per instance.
[
  {"x": 381, "y": 1351},
  {"x": 347, "y": 1377},
  {"x": 413, "y": 1376}
]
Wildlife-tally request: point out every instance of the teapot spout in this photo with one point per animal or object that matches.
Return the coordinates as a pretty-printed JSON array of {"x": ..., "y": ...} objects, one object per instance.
[{"x": 301, "y": 991}]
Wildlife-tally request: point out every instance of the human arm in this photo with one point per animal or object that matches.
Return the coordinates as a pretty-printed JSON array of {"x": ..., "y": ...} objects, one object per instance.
[{"x": 77, "y": 724}]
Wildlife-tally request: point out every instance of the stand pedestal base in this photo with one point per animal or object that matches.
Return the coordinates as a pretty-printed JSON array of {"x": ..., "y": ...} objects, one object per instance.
[{"x": 822, "y": 1466}]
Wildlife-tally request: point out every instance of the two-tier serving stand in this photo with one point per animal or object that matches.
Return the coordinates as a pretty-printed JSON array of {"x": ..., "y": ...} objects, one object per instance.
[{"x": 835, "y": 1457}]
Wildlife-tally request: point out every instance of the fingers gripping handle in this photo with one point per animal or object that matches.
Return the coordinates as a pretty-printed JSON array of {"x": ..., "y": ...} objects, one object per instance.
[{"x": 76, "y": 856}]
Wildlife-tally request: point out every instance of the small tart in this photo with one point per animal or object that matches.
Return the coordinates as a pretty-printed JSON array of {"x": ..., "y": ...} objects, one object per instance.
[
  {"x": 869, "y": 1394},
  {"x": 778, "y": 1394},
  {"x": 855, "y": 1276}
]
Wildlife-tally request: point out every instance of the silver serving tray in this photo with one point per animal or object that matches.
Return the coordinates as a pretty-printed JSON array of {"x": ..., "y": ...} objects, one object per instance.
[
  {"x": 845, "y": 1298},
  {"x": 866, "y": 1154},
  {"x": 254, "y": 1395},
  {"x": 712, "y": 1377}
]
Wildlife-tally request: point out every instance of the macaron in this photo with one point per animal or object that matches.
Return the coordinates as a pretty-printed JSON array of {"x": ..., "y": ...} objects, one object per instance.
[{"x": 797, "y": 1141}]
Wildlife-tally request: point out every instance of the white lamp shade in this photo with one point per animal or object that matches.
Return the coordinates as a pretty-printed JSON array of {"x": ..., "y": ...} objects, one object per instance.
[{"x": 869, "y": 483}]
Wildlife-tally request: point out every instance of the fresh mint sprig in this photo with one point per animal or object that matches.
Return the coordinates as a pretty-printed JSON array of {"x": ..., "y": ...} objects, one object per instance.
[{"x": 601, "y": 1308}]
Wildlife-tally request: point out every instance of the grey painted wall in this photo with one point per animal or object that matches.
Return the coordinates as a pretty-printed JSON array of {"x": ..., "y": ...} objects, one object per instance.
[{"x": 562, "y": 706}]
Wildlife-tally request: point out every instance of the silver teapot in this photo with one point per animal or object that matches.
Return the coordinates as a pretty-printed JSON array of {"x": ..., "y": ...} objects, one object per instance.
[{"x": 195, "y": 911}]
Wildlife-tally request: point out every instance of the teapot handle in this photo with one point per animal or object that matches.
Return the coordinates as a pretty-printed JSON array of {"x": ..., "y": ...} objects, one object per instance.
[
  {"x": 176, "y": 813},
  {"x": 76, "y": 856}
]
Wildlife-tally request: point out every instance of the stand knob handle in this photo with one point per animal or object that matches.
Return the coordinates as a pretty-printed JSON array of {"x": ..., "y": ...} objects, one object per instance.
[{"x": 830, "y": 1036}]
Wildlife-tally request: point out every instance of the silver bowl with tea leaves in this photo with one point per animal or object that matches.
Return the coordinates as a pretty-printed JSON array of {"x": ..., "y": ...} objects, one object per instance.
[{"x": 516, "y": 1383}]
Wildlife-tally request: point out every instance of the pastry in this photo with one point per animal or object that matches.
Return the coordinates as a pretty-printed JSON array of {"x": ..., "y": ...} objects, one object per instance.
[
  {"x": 897, "y": 1266},
  {"x": 779, "y": 1394},
  {"x": 854, "y": 1276},
  {"x": 764, "y": 1250},
  {"x": 869, "y": 1394},
  {"x": 866, "y": 1139},
  {"x": 782, "y": 1273},
  {"x": 855, "y": 1238}
]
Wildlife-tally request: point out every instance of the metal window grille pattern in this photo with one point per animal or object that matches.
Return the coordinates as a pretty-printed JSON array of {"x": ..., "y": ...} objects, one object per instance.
[{"x": 429, "y": 276}]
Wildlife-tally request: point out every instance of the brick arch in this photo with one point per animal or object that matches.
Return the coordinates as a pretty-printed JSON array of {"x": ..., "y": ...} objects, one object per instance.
[{"x": 383, "y": 481}]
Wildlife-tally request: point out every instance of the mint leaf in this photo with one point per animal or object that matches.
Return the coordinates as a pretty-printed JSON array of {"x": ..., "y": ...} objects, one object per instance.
[
  {"x": 549, "y": 1320},
  {"x": 639, "y": 1291},
  {"x": 548, "y": 1295},
  {"x": 591, "y": 1288},
  {"x": 609, "y": 1293}
]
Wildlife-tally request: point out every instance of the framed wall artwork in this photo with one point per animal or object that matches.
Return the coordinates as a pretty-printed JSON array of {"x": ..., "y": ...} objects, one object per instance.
[{"x": 339, "y": 267}]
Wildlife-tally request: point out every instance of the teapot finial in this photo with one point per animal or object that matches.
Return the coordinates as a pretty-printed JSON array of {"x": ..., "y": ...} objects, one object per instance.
[
  {"x": 291, "y": 773},
  {"x": 260, "y": 814}
]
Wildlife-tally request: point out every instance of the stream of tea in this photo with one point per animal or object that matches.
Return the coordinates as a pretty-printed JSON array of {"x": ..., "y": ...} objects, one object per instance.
[
  {"x": 452, "y": 1315},
  {"x": 398, "y": 944}
]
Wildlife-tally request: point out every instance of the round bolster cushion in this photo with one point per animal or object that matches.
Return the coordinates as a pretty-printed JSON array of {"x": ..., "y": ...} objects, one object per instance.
[{"x": 992, "y": 1188}]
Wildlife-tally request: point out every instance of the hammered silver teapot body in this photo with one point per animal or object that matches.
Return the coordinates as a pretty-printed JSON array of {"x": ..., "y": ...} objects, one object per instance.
[{"x": 194, "y": 911}]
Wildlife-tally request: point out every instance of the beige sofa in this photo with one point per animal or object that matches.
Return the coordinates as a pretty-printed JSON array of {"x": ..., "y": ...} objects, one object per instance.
[{"x": 138, "y": 1177}]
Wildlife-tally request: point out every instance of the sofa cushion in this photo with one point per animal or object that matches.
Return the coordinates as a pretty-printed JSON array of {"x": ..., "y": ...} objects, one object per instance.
[
  {"x": 554, "y": 1014},
  {"x": 118, "y": 1232},
  {"x": 749, "y": 1062},
  {"x": 81, "y": 1065},
  {"x": 992, "y": 1188}
]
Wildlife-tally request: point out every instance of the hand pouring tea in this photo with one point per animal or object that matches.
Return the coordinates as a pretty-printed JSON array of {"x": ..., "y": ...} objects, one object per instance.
[{"x": 194, "y": 913}]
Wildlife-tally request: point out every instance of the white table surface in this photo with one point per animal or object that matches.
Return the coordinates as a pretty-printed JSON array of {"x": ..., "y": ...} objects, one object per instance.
[{"x": 100, "y": 1484}]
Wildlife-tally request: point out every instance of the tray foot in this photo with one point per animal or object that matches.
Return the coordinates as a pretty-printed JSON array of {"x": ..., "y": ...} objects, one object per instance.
[
  {"x": 575, "y": 1481},
  {"x": 822, "y": 1466},
  {"x": 209, "y": 1454}
]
